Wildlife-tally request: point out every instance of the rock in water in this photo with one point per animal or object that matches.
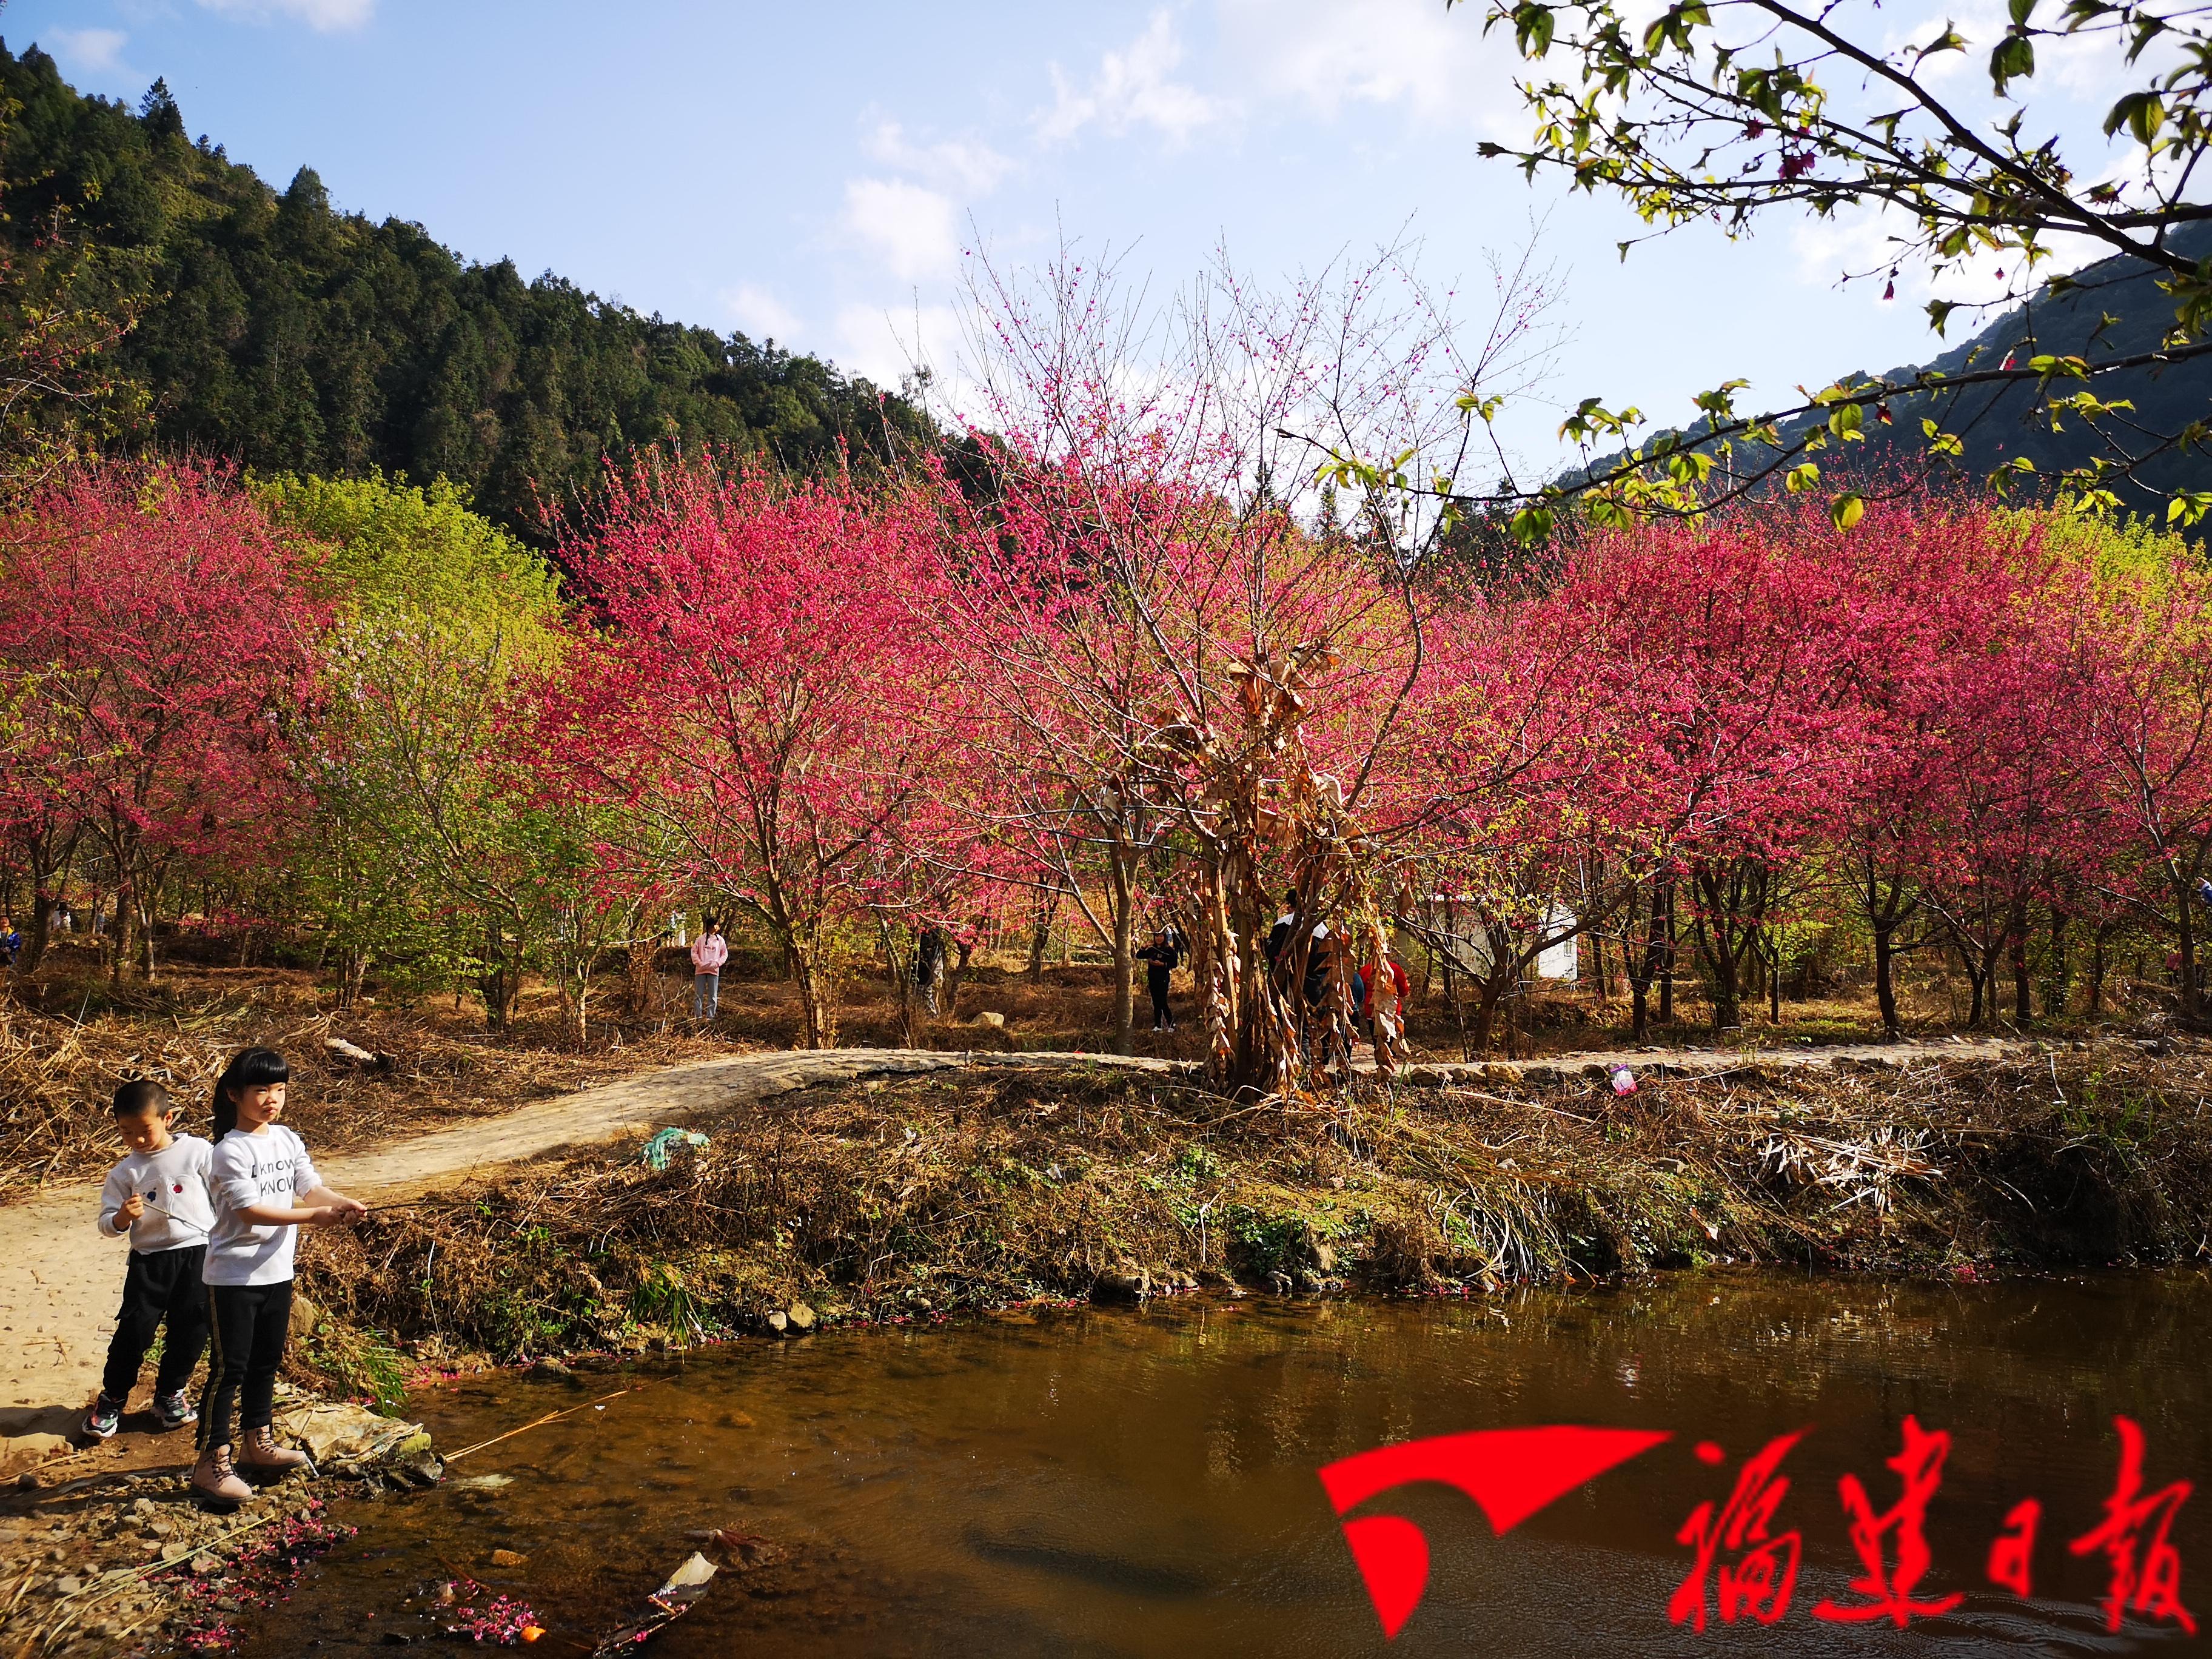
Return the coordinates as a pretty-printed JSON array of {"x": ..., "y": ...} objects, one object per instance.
[{"x": 347, "y": 1439}]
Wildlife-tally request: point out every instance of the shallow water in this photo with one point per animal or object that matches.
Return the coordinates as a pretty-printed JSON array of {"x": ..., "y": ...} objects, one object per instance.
[{"x": 1139, "y": 1483}]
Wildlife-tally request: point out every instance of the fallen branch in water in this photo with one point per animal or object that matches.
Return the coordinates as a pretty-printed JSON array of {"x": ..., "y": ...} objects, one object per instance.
[
  {"x": 550, "y": 1416},
  {"x": 664, "y": 1606}
]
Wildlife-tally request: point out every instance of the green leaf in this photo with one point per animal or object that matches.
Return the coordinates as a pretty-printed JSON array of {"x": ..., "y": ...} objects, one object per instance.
[
  {"x": 2143, "y": 113},
  {"x": 1532, "y": 28},
  {"x": 1531, "y": 524},
  {"x": 2013, "y": 59},
  {"x": 1949, "y": 41},
  {"x": 1939, "y": 313},
  {"x": 1846, "y": 510},
  {"x": 1800, "y": 477},
  {"x": 2188, "y": 507}
]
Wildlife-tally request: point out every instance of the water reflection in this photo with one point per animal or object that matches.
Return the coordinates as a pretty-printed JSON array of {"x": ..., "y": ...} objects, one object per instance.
[{"x": 1143, "y": 1483}]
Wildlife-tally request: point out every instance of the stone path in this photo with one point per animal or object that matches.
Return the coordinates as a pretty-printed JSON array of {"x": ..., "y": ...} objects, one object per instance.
[{"x": 58, "y": 1283}]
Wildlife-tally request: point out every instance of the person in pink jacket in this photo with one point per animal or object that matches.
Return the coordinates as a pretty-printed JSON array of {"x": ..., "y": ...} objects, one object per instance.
[{"x": 708, "y": 952}]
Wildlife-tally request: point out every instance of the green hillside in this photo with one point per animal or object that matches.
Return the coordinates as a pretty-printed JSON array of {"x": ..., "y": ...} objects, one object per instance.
[
  {"x": 1995, "y": 425},
  {"x": 276, "y": 330}
]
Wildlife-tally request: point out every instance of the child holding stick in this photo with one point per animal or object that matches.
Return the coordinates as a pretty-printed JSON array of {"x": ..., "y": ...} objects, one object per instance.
[
  {"x": 264, "y": 1187},
  {"x": 158, "y": 1196}
]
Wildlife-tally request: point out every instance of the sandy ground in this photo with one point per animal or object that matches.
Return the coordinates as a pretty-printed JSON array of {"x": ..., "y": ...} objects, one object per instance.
[{"x": 58, "y": 1283}]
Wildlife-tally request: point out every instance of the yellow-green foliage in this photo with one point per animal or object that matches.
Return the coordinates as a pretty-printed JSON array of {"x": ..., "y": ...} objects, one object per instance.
[
  {"x": 2132, "y": 551},
  {"x": 393, "y": 555}
]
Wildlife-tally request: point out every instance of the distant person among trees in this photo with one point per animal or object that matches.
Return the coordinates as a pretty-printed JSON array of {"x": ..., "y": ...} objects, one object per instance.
[
  {"x": 1390, "y": 1009},
  {"x": 11, "y": 942},
  {"x": 1280, "y": 934},
  {"x": 708, "y": 952},
  {"x": 1161, "y": 958}
]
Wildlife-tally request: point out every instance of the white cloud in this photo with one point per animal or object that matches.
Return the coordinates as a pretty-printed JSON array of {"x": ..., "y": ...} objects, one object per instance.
[
  {"x": 1133, "y": 87},
  {"x": 887, "y": 346},
  {"x": 327, "y": 16},
  {"x": 911, "y": 226},
  {"x": 759, "y": 313},
  {"x": 86, "y": 52},
  {"x": 1325, "y": 54},
  {"x": 963, "y": 167}
]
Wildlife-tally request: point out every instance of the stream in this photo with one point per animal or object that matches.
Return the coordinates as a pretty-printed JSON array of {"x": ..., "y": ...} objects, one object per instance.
[{"x": 1142, "y": 1482}]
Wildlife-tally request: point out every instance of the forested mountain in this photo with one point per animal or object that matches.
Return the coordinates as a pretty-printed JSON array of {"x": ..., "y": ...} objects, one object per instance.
[
  {"x": 271, "y": 328},
  {"x": 2113, "y": 308}
]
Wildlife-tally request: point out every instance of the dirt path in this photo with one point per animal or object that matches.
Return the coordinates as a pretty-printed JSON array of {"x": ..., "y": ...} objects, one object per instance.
[{"x": 58, "y": 1283}]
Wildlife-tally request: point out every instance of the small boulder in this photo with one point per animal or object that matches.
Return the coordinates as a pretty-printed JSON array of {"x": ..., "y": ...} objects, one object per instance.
[
  {"x": 509, "y": 1558},
  {"x": 991, "y": 1018},
  {"x": 778, "y": 1320},
  {"x": 305, "y": 1316},
  {"x": 801, "y": 1315}
]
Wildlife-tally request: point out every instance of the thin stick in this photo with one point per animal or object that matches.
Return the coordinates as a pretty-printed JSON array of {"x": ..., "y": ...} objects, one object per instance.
[{"x": 550, "y": 1416}]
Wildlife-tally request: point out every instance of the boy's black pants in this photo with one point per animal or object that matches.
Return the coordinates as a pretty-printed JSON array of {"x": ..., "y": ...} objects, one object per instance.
[
  {"x": 250, "y": 1321},
  {"x": 1156, "y": 981},
  {"x": 159, "y": 1286}
]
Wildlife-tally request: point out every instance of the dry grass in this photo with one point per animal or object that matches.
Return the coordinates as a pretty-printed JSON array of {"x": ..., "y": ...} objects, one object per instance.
[
  {"x": 59, "y": 1067},
  {"x": 927, "y": 1195}
]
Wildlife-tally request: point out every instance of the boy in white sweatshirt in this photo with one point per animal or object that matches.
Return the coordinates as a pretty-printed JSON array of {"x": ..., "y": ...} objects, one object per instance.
[{"x": 158, "y": 1195}]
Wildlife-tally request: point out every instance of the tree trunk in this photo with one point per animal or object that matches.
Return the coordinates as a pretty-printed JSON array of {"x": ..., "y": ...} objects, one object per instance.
[
  {"x": 1885, "y": 980},
  {"x": 124, "y": 943},
  {"x": 1048, "y": 909},
  {"x": 42, "y": 932},
  {"x": 2192, "y": 989},
  {"x": 900, "y": 967},
  {"x": 1981, "y": 972},
  {"x": 2022, "y": 1008},
  {"x": 500, "y": 980},
  {"x": 638, "y": 975},
  {"x": 1665, "y": 902},
  {"x": 2097, "y": 973},
  {"x": 962, "y": 952},
  {"x": 1486, "y": 1011},
  {"x": 1125, "y": 952},
  {"x": 2058, "y": 985},
  {"x": 818, "y": 1004}
]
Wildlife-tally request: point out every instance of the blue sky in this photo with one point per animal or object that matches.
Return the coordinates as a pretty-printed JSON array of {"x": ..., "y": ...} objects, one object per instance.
[{"x": 813, "y": 173}]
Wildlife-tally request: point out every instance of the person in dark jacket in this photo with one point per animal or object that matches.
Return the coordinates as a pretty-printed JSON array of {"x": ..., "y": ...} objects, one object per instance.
[{"x": 1161, "y": 958}]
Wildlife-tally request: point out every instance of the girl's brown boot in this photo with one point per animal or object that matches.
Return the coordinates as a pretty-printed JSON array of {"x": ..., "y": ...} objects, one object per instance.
[
  {"x": 214, "y": 1481},
  {"x": 261, "y": 1455}
]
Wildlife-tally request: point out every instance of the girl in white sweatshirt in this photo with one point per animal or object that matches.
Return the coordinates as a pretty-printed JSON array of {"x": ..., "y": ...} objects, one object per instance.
[{"x": 264, "y": 1187}]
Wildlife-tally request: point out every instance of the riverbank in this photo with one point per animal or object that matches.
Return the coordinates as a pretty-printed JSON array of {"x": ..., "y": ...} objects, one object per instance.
[{"x": 904, "y": 1198}]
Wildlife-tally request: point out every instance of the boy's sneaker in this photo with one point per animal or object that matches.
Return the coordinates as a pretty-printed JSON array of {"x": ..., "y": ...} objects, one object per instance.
[
  {"x": 101, "y": 1422},
  {"x": 173, "y": 1411}
]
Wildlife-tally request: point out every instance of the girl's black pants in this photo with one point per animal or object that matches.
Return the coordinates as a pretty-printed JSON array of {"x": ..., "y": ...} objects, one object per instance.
[
  {"x": 159, "y": 1287},
  {"x": 249, "y": 1321}
]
